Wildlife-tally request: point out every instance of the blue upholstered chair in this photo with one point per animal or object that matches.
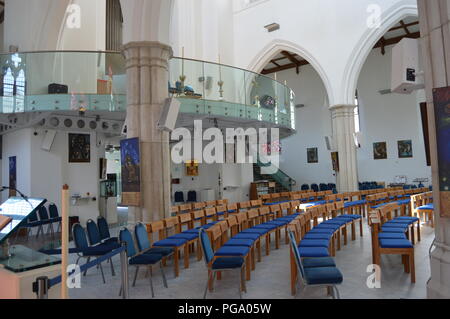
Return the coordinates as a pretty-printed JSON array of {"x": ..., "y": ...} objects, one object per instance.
[
  {"x": 103, "y": 230},
  {"x": 179, "y": 197},
  {"x": 32, "y": 222},
  {"x": 317, "y": 274},
  {"x": 305, "y": 187},
  {"x": 54, "y": 215},
  {"x": 315, "y": 187},
  {"x": 192, "y": 197},
  {"x": 45, "y": 219},
  {"x": 95, "y": 239},
  {"x": 81, "y": 243},
  {"x": 141, "y": 259},
  {"x": 144, "y": 245},
  {"x": 216, "y": 264}
]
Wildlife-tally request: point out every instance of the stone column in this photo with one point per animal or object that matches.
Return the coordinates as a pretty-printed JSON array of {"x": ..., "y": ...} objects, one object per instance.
[
  {"x": 147, "y": 77},
  {"x": 343, "y": 120},
  {"x": 435, "y": 44}
]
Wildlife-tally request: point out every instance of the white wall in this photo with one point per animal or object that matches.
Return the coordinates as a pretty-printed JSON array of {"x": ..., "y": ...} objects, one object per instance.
[
  {"x": 17, "y": 144},
  {"x": 42, "y": 174},
  {"x": 333, "y": 35},
  {"x": 388, "y": 118},
  {"x": 313, "y": 123}
]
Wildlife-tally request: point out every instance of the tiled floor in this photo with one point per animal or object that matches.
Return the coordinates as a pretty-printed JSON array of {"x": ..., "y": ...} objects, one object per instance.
[{"x": 271, "y": 279}]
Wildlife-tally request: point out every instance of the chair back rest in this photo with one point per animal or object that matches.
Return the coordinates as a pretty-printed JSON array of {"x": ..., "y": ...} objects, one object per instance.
[
  {"x": 172, "y": 223},
  {"x": 93, "y": 232},
  {"x": 244, "y": 205},
  {"x": 263, "y": 211},
  {"x": 232, "y": 221},
  {"x": 232, "y": 207},
  {"x": 185, "y": 208},
  {"x": 206, "y": 246},
  {"x": 295, "y": 206},
  {"x": 184, "y": 218},
  {"x": 125, "y": 236},
  {"x": 210, "y": 203},
  {"x": 53, "y": 211},
  {"x": 297, "y": 256},
  {"x": 253, "y": 215},
  {"x": 221, "y": 209},
  {"x": 157, "y": 227},
  {"x": 43, "y": 214},
  {"x": 242, "y": 219},
  {"x": 285, "y": 207},
  {"x": 198, "y": 206},
  {"x": 179, "y": 197},
  {"x": 210, "y": 212},
  {"x": 103, "y": 228},
  {"x": 256, "y": 203},
  {"x": 140, "y": 232},
  {"x": 79, "y": 236},
  {"x": 275, "y": 208},
  {"x": 197, "y": 214},
  {"x": 222, "y": 202},
  {"x": 174, "y": 210},
  {"x": 33, "y": 217}
]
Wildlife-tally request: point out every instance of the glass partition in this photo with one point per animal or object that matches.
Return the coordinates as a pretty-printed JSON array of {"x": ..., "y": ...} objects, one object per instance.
[
  {"x": 96, "y": 81},
  {"x": 62, "y": 80},
  {"x": 230, "y": 91}
]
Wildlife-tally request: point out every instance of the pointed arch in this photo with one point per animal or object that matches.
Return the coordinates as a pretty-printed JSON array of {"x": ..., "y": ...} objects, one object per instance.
[
  {"x": 275, "y": 47},
  {"x": 365, "y": 45}
]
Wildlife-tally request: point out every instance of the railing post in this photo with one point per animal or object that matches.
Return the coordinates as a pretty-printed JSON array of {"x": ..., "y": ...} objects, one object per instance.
[
  {"x": 40, "y": 287},
  {"x": 124, "y": 270}
]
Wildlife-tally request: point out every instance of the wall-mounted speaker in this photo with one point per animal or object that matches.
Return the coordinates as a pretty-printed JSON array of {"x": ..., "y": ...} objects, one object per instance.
[
  {"x": 48, "y": 140},
  {"x": 169, "y": 115},
  {"x": 328, "y": 142}
]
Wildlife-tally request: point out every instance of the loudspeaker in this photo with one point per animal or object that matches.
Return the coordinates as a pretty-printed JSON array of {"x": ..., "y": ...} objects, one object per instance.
[
  {"x": 328, "y": 142},
  {"x": 169, "y": 115},
  {"x": 55, "y": 88},
  {"x": 48, "y": 140},
  {"x": 405, "y": 66}
]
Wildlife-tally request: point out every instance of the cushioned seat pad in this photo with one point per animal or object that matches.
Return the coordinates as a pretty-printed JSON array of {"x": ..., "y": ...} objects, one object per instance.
[
  {"x": 313, "y": 252},
  {"x": 188, "y": 236},
  {"x": 145, "y": 259},
  {"x": 175, "y": 242},
  {"x": 326, "y": 236},
  {"x": 393, "y": 230},
  {"x": 395, "y": 243},
  {"x": 246, "y": 236},
  {"x": 318, "y": 262},
  {"x": 314, "y": 243},
  {"x": 232, "y": 251},
  {"x": 323, "y": 275},
  {"x": 391, "y": 236},
  {"x": 228, "y": 263},
  {"x": 162, "y": 251},
  {"x": 240, "y": 242}
]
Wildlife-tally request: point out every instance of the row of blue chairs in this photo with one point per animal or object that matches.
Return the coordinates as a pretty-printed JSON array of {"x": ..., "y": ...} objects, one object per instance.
[
  {"x": 191, "y": 197},
  {"x": 319, "y": 188},
  {"x": 41, "y": 218},
  {"x": 312, "y": 248}
]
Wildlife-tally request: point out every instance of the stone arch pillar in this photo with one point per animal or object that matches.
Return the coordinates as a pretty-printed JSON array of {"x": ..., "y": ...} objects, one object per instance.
[{"x": 147, "y": 53}]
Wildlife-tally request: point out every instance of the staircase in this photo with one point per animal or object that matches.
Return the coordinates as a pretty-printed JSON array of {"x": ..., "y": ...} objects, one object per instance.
[{"x": 283, "y": 182}]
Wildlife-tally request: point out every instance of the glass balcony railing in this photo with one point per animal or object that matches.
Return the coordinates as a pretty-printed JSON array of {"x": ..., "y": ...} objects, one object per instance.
[
  {"x": 66, "y": 80},
  {"x": 96, "y": 81},
  {"x": 216, "y": 89}
]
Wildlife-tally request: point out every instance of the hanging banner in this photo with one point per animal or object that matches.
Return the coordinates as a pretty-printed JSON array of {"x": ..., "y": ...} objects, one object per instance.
[
  {"x": 131, "y": 172},
  {"x": 442, "y": 116},
  {"x": 12, "y": 176}
]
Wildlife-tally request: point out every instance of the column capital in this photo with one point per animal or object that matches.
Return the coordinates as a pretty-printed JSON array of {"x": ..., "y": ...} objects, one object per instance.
[{"x": 151, "y": 45}]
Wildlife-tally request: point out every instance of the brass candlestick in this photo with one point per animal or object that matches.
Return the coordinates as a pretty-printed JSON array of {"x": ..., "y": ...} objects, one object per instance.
[{"x": 220, "y": 84}]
